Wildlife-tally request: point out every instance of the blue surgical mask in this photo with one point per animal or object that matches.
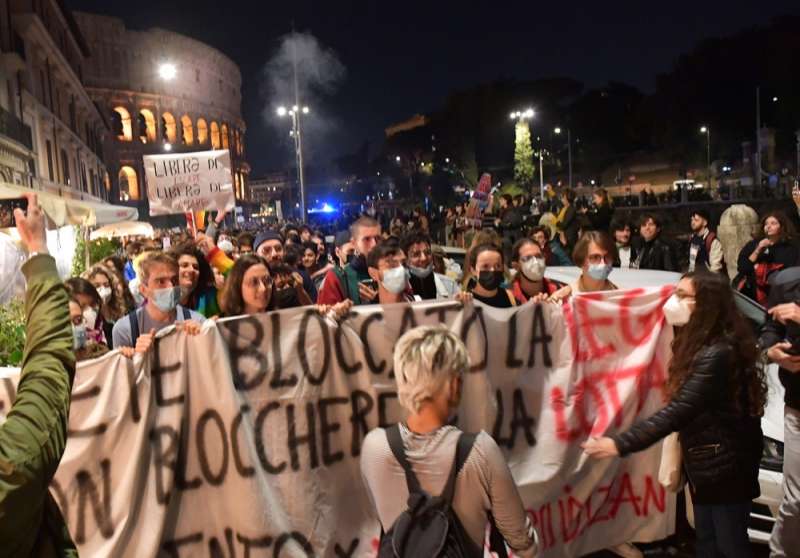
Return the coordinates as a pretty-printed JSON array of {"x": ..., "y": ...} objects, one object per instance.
[
  {"x": 420, "y": 272},
  {"x": 78, "y": 336},
  {"x": 166, "y": 299},
  {"x": 599, "y": 272}
]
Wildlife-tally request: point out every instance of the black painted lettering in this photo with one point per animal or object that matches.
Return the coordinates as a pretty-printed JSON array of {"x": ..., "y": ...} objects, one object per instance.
[
  {"x": 338, "y": 346},
  {"x": 261, "y": 417},
  {"x": 375, "y": 368},
  {"x": 244, "y": 471},
  {"x": 295, "y": 537},
  {"x": 163, "y": 459},
  {"x": 476, "y": 317},
  {"x": 173, "y": 547},
  {"x": 443, "y": 310},
  {"x": 520, "y": 420},
  {"x": 277, "y": 382},
  {"x": 302, "y": 349},
  {"x": 160, "y": 370},
  {"x": 136, "y": 413},
  {"x": 540, "y": 336},
  {"x": 511, "y": 360},
  {"x": 215, "y": 548},
  {"x": 248, "y": 543},
  {"x": 383, "y": 403},
  {"x": 91, "y": 393},
  {"x": 349, "y": 553},
  {"x": 221, "y": 448},
  {"x": 249, "y": 352},
  {"x": 101, "y": 505},
  {"x": 295, "y": 440},
  {"x": 362, "y": 404},
  {"x": 326, "y": 428},
  {"x": 408, "y": 321}
]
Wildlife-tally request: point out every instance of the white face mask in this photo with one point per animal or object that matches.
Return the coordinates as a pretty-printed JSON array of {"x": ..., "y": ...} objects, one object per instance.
[
  {"x": 105, "y": 293},
  {"x": 395, "y": 280},
  {"x": 677, "y": 311},
  {"x": 533, "y": 269},
  {"x": 90, "y": 315},
  {"x": 166, "y": 299}
]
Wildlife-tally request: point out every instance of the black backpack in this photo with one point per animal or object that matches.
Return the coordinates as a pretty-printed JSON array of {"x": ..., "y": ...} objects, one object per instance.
[{"x": 429, "y": 527}]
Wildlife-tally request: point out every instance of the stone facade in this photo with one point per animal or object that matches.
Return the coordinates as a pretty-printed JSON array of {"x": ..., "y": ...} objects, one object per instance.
[
  {"x": 51, "y": 132},
  {"x": 196, "y": 110}
]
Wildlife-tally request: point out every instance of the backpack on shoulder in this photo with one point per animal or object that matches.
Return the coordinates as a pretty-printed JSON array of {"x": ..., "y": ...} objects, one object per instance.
[{"x": 429, "y": 527}]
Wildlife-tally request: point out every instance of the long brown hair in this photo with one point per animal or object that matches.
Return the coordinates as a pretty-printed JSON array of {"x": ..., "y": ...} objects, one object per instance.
[
  {"x": 231, "y": 301},
  {"x": 787, "y": 228},
  {"x": 716, "y": 318}
]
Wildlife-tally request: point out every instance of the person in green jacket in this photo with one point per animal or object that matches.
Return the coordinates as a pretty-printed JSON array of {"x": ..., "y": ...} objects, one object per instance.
[{"x": 33, "y": 437}]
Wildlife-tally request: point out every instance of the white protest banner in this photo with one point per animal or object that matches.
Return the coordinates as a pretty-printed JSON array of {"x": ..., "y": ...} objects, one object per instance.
[
  {"x": 183, "y": 182},
  {"x": 245, "y": 440}
]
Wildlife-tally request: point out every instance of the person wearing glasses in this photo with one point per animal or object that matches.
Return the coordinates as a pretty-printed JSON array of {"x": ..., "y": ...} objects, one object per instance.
[
  {"x": 424, "y": 281},
  {"x": 595, "y": 254},
  {"x": 530, "y": 284}
]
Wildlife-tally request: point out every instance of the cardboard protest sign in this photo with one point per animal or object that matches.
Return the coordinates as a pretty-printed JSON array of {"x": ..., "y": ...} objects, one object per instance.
[
  {"x": 189, "y": 182},
  {"x": 245, "y": 440}
]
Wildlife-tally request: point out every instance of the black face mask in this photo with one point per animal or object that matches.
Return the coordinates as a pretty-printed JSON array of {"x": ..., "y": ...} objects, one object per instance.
[
  {"x": 284, "y": 298},
  {"x": 350, "y": 259},
  {"x": 490, "y": 280},
  {"x": 358, "y": 263}
]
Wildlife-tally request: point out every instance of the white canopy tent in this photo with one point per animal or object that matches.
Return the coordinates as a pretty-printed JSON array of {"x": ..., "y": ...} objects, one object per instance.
[
  {"x": 123, "y": 228},
  {"x": 65, "y": 211}
]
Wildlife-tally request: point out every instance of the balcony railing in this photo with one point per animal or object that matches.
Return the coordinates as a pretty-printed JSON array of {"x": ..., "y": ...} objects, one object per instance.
[{"x": 12, "y": 127}]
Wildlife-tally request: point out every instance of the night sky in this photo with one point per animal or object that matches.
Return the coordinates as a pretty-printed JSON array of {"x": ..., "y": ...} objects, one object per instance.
[{"x": 403, "y": 58}]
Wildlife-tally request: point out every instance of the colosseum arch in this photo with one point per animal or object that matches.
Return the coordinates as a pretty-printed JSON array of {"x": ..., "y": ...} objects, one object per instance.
[
  {"x": 225, "y": 138},
  {"x": 121, "y": 124},
  {"x": 168, "y": 127},
  {"x": 202, "y": 131},
  {"x": 128, "y": 184},
  {"x": 187, "y": 131},
  {"x": 215, "y": 143},
  {"x": 147, "y": 126}
]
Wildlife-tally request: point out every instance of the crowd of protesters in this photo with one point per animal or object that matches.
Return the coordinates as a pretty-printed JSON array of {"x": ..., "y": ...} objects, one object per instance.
[{"x": 717, "y": 392}]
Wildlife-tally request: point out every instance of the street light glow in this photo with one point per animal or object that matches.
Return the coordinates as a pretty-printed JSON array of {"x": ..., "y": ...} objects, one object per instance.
[
  {"x": 557, "y": 130},
  {"x": 281, "y": 111},
  {"x": 305, "y": 110},
  {"x": 167, "y": 71},
  {"x": 294, "y": 108},
  {"x": 704, "y": 130},
  {"x": 397, "y": 158},
  {"x": 167, "y": 146},
  {"x": 774, "y": 99}
]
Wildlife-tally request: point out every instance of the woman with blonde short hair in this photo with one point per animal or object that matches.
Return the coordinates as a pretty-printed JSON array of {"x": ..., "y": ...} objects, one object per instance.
[{"x": 429, "y": 366}]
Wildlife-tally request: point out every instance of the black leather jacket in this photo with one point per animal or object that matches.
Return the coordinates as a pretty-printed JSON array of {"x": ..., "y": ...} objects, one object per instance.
[
  {"x": 657, "y": 254},
  {"x": 721, "y": 447}
]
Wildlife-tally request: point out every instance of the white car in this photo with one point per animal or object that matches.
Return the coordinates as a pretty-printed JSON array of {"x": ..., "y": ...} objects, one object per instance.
[{"x": 770, "y": 474}]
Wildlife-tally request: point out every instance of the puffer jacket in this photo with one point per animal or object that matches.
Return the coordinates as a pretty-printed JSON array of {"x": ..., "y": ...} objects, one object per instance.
[{"x": 721, "y": 447}]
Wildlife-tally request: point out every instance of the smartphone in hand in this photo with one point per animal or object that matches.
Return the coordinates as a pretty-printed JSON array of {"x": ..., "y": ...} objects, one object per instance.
[{"x": 7, "y": 207}]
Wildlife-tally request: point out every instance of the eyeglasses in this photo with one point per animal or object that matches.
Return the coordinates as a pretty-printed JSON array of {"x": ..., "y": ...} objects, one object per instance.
[
  {"x": 598, "y": 258},
  {"x": 256, "y": 281},
  {"x": 420, "y": 254}
]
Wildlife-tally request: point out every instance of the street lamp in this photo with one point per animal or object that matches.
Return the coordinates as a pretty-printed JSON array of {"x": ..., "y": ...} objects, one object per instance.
[
  {"x": 294, "y": 113},
  {"x": 167, "y": 71},
  {"x": 569, "y": 151},
  {"x": 521, "y": 116},
  {"x": 707, "y": 131}
]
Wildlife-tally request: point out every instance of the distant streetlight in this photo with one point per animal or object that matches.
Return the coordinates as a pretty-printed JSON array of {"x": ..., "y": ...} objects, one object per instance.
[
  {"x": 707, "y": 131},
  {"x": 167, "y": 71},
  {"x": 774, "y": 99},
  {"x": 295, "y": 133},
  {"x": 522, "y": 114},
  {"x": 397, "y": 158},
  {"x": 447, "y": 159},
  {"x": 569, "y": 151},
  {"x": 167, "y": 146}
]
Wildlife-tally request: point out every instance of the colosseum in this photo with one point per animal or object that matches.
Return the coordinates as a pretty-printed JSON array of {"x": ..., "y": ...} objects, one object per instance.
[{"x": 194, "y": 105}]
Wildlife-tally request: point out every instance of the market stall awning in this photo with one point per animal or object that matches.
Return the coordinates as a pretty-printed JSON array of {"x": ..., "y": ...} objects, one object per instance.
[
  {"x": 123, "y": 228},
  {"x": 67, "y": 211}
]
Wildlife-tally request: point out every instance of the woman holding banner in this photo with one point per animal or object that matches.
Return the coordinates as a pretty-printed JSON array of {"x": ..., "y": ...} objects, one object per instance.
[{"x": 717, "y": 394}]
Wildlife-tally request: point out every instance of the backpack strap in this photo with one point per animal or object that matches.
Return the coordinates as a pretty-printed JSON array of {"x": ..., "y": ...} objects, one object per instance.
[
  {"x": 134, "y": 320},
  {"x": 463, "y": 449},
  {"x": 396, "y": 445}
]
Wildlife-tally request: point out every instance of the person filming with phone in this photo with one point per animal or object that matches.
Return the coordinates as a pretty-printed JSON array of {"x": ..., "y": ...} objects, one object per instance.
[{"x": 34, "y": 434}]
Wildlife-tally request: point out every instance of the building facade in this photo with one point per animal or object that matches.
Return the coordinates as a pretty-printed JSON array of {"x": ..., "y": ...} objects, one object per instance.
[
  {"x": 51, "y": 132},
  {"x": 198, "y": 108}
]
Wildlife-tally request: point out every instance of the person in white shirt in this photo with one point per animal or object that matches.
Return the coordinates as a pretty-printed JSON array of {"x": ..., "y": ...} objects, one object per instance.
[{"x": 626, "y": 252}]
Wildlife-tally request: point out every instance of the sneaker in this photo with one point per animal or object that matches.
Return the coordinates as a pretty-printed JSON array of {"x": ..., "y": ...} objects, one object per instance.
[{"x": 626, "y": 550}]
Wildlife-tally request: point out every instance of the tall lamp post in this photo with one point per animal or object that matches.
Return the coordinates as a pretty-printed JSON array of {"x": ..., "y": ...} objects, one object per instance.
[
  {"x": 296, "y": 134},
  {"x": 520, "y": 116},
  {"x": 569, "y": 152},
  {"x": 707, "y": 131}
]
